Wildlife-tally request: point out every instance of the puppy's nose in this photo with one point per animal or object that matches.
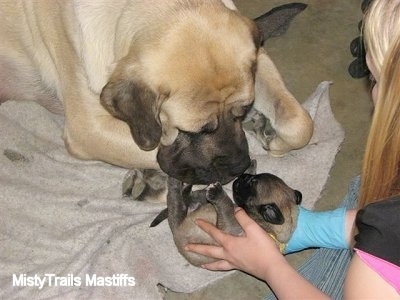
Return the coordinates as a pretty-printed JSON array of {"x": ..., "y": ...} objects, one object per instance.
[
  {"x": 245, "y": 178},
  {"x": 243, "y": 182},
  {"x": 242, "y": 189}
]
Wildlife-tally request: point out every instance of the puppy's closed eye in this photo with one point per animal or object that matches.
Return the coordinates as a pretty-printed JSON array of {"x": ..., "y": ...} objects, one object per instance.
[{"x": 271, "y": 213}]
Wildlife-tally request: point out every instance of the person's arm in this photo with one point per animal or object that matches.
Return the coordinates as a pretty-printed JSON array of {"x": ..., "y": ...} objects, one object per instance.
[
  {"x": 349, "y": 226},
  {"x": 322, "y": 229},
  {"x": 287, "y": 283},
  {"x": 364, "y": 283},
  {"x": 255, "y": 253}
]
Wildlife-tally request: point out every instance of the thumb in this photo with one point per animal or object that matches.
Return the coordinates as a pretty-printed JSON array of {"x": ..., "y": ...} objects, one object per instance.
[{"x": 243, "y": 219}]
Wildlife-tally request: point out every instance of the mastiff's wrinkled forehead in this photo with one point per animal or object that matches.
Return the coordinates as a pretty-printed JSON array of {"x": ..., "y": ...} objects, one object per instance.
[{"x": 187, "y": 91}]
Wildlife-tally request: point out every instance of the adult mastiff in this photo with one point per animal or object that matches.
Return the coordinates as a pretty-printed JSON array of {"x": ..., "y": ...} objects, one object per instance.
[{"x": 178, "y": 76}]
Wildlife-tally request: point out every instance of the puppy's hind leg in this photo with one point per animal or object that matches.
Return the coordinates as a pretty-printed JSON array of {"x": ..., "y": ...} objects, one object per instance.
[
  {"x": 226, "y": 220},
  {"x": 177, "y": 202}
]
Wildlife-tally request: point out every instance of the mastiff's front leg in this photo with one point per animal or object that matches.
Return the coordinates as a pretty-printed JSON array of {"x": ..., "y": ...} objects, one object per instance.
[
  {"x": 92, "y": 133},
  {"x": 291, "y": 122}
]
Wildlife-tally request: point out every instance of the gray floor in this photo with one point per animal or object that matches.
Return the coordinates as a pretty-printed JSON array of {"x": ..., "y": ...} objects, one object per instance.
[{"x": 316, "y": 48}]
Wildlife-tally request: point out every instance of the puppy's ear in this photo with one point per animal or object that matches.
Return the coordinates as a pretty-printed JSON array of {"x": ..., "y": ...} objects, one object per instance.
[
  {"x": 271, "y": 213},
  {"x": 299, "y": 197},
  {"x": 134, "y": 103}
]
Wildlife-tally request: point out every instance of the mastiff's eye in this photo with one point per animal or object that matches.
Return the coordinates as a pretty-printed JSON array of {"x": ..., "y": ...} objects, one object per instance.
[
  {"x": 209, "y": 127},
  {"x": 247, "y": 108},
  {"x": 254, "y": 69},
  {"x": 241, "y": 111}
]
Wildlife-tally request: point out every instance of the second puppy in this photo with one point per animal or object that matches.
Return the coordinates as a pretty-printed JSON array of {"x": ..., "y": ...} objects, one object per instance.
[{"x": 265, "y": 197}]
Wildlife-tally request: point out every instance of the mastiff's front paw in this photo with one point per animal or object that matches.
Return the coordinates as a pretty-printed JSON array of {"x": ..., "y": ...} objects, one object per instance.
[
  {"x": 145, "y": 184},
  {"x": 261, "y": 126},
  {"x": 133, "y": 184}
]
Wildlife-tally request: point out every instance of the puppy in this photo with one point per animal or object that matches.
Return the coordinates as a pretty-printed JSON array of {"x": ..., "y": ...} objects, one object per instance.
[
  {"x": 265, "y": 197},
  {"x": 149, "y": 84}
]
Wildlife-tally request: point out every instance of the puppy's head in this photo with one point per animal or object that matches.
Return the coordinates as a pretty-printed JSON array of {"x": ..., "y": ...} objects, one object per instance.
[
  {"x": 268, "y": 201},
  {"x": 185, "y": 86}
]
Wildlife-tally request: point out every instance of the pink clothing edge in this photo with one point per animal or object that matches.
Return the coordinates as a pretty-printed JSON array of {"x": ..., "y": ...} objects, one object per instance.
[{"x": 388, "y": 271}]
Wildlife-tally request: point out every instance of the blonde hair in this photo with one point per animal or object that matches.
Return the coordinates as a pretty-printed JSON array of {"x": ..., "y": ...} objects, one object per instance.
[{"x": 380, "y": 172}]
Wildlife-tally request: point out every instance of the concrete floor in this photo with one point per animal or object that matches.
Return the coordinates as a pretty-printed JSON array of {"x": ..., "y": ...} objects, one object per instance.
[{"x": 316, "y": 48}]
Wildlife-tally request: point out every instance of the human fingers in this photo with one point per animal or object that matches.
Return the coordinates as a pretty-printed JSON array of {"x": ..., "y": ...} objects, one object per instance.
[
  {"x": 206, "y": 250},
  {"x": 219, "y": 265},
  {"x": 243, "y": 219}
]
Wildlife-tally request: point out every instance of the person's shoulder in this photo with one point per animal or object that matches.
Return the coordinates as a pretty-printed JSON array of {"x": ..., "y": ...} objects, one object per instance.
[
  {"x": 378, "y": 226},
  {"x": 385, "y": 212}
]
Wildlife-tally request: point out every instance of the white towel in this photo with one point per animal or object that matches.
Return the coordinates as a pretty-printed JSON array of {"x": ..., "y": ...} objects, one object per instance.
[{"x": 66, "y": 218}]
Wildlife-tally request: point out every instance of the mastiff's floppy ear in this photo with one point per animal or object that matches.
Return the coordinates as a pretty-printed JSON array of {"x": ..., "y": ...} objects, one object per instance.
[
  {"x": 276, "y": 21},
  {"x": 136, "y": 104}
]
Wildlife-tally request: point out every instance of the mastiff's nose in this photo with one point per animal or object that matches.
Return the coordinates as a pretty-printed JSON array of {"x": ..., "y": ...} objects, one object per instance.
[
  {"x": 229, "y": 169},
  {"x": 239, "y": 167}
]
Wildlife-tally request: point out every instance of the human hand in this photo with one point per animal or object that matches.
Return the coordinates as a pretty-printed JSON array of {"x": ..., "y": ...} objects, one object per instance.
[{"x": 251, "y": 252}]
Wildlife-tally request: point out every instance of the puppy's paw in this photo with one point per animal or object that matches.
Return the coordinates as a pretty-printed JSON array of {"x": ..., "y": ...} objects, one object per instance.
[{"x": 214, "y": 191}]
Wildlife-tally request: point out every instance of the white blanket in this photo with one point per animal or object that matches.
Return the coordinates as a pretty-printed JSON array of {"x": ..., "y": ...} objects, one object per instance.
[{"x": 64, "y": 225}]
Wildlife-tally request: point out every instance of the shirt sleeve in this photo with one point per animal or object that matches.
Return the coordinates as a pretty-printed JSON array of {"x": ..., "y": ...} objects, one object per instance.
[{"x": 379, "y": 229}]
